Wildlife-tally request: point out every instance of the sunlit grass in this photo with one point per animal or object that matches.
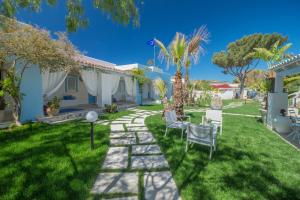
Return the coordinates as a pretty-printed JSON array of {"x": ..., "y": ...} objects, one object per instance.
[
  {"x": 40, "y": 161},
  {"x": 250, "y": 162}
]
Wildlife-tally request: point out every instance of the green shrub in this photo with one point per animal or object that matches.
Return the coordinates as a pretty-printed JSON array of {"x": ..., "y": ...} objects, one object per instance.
[{"x": 113, "y": 108}]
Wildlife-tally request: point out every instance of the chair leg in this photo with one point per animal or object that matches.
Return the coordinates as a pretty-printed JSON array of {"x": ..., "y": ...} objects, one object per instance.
[
  {"x": 182, "y": 133},
  {"x": 166, "y": 131},
  {"x": 221, "y": 130},
  {"x": 210, "y": 153},
  {"x": 186, "y": 145}
]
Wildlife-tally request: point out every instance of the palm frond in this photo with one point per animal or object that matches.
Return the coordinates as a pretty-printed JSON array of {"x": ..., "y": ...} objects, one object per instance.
[
  {"x": 264, "y": 54},
  {"x": 163, "y": 53},
  {"x": 283, "y": 49}
]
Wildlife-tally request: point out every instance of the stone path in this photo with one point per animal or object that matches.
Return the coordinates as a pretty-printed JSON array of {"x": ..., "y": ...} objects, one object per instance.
[{"x": 135, "y": 163}]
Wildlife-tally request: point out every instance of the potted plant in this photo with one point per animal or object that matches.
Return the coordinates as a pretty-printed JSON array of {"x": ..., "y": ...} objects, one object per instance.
[
  {"x": 113, "y": 108},
  {"x": 2, "y": 109},
  {"x": 53, "y": 107}
]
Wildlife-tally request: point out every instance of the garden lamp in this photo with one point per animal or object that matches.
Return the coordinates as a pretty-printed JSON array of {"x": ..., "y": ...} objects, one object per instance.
[{"x": 91, "y": 117}]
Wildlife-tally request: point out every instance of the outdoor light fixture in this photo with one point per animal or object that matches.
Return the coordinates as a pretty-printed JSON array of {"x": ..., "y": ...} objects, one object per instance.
[{"x": 91, "y": 117}]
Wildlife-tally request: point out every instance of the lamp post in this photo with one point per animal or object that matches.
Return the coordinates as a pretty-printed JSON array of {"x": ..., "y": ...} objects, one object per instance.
[{"x": 91, "y": 117}]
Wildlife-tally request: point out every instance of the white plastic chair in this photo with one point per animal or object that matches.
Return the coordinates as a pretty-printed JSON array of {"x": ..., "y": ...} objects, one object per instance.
[
  {"x": 202, "y": 134},
  {"x": 214, "y": 117},
  {"x": 173, "y": 122}
]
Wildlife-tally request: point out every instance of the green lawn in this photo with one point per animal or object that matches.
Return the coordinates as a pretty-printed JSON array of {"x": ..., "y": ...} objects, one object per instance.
[
  {"x": 250, "y": 162},
  {"x": 151, "y": 107},
  {"x": 40, "y": 161},
  {"x": 250, "y": 108},
  {"x": 113, "y": 116}
]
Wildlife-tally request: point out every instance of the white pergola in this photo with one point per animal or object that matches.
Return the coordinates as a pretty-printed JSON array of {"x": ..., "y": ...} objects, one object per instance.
[{"x": 279, "y": 99}]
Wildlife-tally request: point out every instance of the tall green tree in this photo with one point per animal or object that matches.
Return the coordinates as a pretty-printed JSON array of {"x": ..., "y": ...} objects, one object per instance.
[
  {"x": 175, "y": 53},
  {"x": 181, "y": 52},
  {"x": 120, "y": 11},
  {"x": 240, "y": 58},
  {"x": 22, "y": 47},
  {"x": 139, "y": 75},
  {"x": 192, "y": 53}
]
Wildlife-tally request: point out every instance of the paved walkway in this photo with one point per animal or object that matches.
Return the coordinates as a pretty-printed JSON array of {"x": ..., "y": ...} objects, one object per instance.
[{"x": 134, "y": 163}]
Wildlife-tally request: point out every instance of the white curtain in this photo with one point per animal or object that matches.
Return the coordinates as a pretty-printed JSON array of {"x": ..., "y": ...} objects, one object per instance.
[
  {"x": 129, "y": 85},
  {"x": 52, "y": 81},
  {"x": 90, "y": 79},
  {"x": 115, "y": 79}
]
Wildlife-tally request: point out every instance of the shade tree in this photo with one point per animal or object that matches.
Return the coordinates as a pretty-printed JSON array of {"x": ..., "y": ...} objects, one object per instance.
[
  {"x": 120, "y": 11},
  {"x": 240, "y": 56},
  {"x": 22, "y": 47}
]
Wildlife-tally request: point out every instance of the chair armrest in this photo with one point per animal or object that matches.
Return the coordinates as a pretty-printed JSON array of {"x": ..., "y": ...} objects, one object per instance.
[{"x": 182, "y": 117}]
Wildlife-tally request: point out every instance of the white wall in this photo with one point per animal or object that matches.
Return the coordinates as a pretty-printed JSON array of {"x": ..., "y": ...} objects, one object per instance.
[
  {"x": 81, "y": 95},
  {"x": 276, "y": 102},
  {"x": 229, "y": 94}
]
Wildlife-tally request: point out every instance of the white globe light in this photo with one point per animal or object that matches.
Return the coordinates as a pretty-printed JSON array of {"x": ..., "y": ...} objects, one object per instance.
[{"x": 91, "y": 116}]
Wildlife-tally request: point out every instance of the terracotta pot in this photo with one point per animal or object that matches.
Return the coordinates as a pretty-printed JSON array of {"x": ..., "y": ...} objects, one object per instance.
[{"x": 52, "y": 112}]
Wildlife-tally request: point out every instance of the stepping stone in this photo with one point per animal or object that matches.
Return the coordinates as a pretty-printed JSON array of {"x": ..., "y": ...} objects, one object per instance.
[
  {"x": 139, "y": 121},
  {"x": 135, "y": 129},
  {"x": 160, "y": 185},
  {"x": 145, "y": 137},
  {"x": 122, "y": 134},
  {"x": 145, "y": 149},
  {"x": 135, "y": 125},
  {"x": 122, "y": 141},
  {"x": 107, "y": 183},
  {"x": 127, "y": 117},
  {"x": 101, "y": 121},
  {"x": 148, "y": 162},
  {"x": 117, "y": 127},
  {"x": 116, "y": 158},
  {"x": 121, "y": 121}
]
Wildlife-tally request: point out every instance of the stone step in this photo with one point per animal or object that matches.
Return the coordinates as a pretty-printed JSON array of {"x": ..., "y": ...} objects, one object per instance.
[
  {"x": 149, "y": 162},
  {"x": 160, "y": 186},
  {"x": 146, "y": 149},
  {"x": 108, "y": 183},
  {"x": 116, "y": 158}
]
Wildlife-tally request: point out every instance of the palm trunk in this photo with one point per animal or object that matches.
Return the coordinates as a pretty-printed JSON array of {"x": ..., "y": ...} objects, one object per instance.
[
  {"x": 178, "y": 94},
  {"x": 185, "y": 88}
]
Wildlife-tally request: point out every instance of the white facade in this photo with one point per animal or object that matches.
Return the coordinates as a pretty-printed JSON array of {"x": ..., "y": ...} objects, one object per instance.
[{"x": 279, "y": 99}]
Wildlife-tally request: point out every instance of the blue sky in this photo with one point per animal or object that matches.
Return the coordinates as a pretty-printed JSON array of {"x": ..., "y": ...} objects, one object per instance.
[{"x": 226, "y": 21}]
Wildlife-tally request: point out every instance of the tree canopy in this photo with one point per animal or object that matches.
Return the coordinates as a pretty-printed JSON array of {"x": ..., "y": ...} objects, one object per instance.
[
  {"x": 120, "y": 11},
  {"x": 240, "y": 56},
  {"x": 23, "y": 46},
  {"x": 22, "y": 42}
]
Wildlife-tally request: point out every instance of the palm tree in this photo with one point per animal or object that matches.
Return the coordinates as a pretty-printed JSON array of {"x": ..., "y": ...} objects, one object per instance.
[
  {"x": 181, "y": 52},
  {"x": 192, "y": 53},
  {"x": 275, "y": 54},
  {"x": 161, "y": 87},
  {"x": 175, "y": 54}
]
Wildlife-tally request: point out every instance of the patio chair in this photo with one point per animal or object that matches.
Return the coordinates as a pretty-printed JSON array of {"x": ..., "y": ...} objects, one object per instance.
[
  {"x": 172, "y": 121},
  {"x": 202, "y": 134},
  {"x": 214, "y": 117}
]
